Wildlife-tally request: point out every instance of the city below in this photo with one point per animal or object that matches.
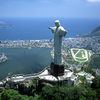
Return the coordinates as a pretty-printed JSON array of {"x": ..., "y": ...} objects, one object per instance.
[
  {"x": 91, "y": 43},
  {"x": 76, "y": 52}
]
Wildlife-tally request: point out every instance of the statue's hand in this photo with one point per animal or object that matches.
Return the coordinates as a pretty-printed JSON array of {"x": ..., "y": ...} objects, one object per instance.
[
  {"x": 49, "y": 27},
  {"x": 66, "y": 31}
]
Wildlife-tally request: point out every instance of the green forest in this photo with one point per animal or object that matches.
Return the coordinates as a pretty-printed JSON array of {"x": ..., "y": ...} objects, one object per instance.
[
  {"x": 95, "y": 32},
  {"x": 95, "y": 62},
  {"x": 83, "y": 91}
]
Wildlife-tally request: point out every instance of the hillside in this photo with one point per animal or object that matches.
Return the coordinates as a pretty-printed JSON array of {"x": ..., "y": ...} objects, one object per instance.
[
  {"x": 95, "y": 62},
  {"x": 95, "y": 32}
]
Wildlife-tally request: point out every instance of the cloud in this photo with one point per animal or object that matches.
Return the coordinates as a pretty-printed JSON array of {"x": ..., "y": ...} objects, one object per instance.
[
  {"x": 2, "y": 22},
  {"x": 93, "y": 0}
]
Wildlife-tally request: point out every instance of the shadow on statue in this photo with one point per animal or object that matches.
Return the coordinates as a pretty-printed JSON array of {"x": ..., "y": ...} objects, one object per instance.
[{"x": 56, "y": 70}]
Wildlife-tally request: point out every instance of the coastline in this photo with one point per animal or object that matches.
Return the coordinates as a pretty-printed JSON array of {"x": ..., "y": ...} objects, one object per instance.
[{"x": 3, "y": 58}]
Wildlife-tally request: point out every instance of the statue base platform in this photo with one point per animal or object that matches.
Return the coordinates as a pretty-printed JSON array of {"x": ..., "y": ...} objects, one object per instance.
[{"x": 56, "y": 70}]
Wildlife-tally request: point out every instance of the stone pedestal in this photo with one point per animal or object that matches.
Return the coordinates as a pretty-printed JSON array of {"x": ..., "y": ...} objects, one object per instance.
[{"x": 56, "y": 70}]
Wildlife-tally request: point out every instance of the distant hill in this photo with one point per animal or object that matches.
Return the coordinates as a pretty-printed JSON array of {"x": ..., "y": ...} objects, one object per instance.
[{"x": 95, "y": 32}]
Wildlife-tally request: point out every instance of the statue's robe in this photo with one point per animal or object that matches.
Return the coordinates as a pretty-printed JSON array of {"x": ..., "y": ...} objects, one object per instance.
[{"x": 58, "y": 33}]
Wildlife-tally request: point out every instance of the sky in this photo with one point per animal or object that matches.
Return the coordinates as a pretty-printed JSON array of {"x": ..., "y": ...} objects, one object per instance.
[{"x": 50, "y": 8}]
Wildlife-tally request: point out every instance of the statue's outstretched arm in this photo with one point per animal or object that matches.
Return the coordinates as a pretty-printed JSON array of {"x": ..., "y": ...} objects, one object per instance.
[
  {"x": 49, "y": 27},
  {"x": 52, "y": 29}
]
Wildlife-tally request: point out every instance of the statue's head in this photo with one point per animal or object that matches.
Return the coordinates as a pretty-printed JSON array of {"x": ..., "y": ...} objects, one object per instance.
[{"x": 57, "y": 23}]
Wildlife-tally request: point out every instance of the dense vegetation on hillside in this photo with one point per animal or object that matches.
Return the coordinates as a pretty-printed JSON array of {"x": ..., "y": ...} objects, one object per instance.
[
  {"x": 13, "y": 95},
  {"x": 95, "y": 62},
  {"x": 95, "y": 32},
  {"x": 83, "y": 91}
]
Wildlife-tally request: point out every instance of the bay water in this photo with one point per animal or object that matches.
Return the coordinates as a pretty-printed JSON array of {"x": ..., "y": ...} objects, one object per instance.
[
  {"x": 37, "y": 28},
  {"x": 24, "y": 61}
]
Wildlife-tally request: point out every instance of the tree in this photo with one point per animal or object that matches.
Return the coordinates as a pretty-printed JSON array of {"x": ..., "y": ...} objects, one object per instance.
[
  {"x": 89, "y": 70},
  {"x": 61, "y": 92},
  {"x": 96, "y": 83},
  {"x": 95, "y": 62},
  {"x": 36, "y": 97},
  {"x": 98, "y": 93},
  {"x": 11, "y": 95},
  {"x": 47, "y": 92}
]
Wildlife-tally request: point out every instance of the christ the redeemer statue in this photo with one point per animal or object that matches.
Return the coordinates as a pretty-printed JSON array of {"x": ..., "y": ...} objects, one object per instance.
[{"x": 58, "y": 31}]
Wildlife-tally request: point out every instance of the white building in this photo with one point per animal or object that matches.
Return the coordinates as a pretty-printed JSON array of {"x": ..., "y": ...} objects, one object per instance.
[
  {"x": 68, "y": 78},
  {"x": 87, "y": 76}
]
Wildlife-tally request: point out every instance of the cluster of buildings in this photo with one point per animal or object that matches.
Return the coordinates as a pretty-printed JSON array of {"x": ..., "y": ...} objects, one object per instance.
[
  {"x": 87, "y": 76},
  {"x": 91, "y": 43},
  {"x": 16, "y": 43},
  {"x": 26, "y": 43}
]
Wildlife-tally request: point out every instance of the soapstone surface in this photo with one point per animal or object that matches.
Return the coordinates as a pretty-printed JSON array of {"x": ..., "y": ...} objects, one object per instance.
[{"x": 58, "y": 32}]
